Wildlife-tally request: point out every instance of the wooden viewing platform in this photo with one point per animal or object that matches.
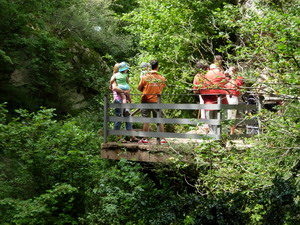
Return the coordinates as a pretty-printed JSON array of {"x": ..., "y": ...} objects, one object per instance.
[
  {"x": 153, "y": 152},
  {"x": 135, "y": 152}
]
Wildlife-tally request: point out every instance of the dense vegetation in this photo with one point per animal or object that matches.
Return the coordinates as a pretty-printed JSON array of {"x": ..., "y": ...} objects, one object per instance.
[{"x": 55, "y": 61}]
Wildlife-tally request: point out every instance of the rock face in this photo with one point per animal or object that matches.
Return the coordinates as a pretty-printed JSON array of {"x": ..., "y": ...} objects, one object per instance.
[
  {"x": 250, "y": 5},
  {"x": 76, "y": 99},
  {"x": 19, "y": 77},
  {"x": 71, "y": 95}
]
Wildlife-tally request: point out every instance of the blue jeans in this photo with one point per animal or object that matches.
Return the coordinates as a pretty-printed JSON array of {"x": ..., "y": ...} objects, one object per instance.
[{"x": 118, "y": 112}]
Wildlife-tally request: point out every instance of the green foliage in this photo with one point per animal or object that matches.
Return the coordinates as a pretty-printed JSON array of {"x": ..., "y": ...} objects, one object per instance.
[
  {"x": 266, "y": 41},
  {"x": 54, "y": 207},
  {"x": 45, "y": 166},
  {"x": 58, "y": 50},
  {"x": 51, "y": 171},
  {"x": 176, "y": 33}
]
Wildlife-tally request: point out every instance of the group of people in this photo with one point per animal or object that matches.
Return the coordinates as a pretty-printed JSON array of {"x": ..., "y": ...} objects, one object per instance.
[
  {"x": 210, "y": 82},
  {"x": 151, "y": 85}
]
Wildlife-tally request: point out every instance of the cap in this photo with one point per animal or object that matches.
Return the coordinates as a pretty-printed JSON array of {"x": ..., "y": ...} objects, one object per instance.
[{"x": 123, "y": 66}]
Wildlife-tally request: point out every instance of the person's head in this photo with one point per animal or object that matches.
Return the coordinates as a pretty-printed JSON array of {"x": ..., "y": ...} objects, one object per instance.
[
  {"x": 145, "y": 66},
  {"x": 233, "y": 70},
  {"x": 116, "y": 67},
  {"x": 201, "y": 65},
  {"x": 124, "y": 67},
  {"x": 218, "y": 60},
  {"x": 154, "y": 64}
]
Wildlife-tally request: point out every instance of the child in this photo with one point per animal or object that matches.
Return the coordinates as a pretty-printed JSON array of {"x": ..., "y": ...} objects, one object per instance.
[
  {"x": 115, "y": 70},
  {"x": 121, "y": 78}
]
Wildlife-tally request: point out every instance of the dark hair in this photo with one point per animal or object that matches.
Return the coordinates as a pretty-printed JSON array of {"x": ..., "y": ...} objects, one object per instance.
[
  {"x": 201, "y": 65},
  {"x": 154, "y": 64},
  {"x": 218, "y": 59}
]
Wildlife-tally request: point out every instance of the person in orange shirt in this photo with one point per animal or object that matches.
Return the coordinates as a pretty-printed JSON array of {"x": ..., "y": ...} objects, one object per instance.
[{"x": 152, "y": 85}]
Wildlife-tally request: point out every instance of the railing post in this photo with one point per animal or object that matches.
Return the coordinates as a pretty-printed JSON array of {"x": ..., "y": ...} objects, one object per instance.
[
  {"x": 219, "y": 117},
  {"x": 259, "y": 108},
  {"x": 158, "y": 116},
  {"x": 105, "y": 120}
]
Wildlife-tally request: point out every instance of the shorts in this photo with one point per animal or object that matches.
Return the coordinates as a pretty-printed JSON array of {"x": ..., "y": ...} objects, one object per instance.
[
  {"x": 124, "y": 87},
  {"x": 148, "y": 112},
  {"x": 232, "y": 100}
]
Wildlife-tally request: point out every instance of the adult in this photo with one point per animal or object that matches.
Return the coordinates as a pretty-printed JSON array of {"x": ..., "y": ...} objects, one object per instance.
[
  {"x": 202, "y": 68},
  {"x": 151, "y": 85},
  {"x": 233, "y": 86},
  {"x": 213, "y": 86},
  {"x": 118, "y": 99}
]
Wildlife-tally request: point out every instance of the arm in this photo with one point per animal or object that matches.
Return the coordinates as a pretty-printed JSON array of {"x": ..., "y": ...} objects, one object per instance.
[
  {"x": 141, "y": 85},
  {"x": 239, "y": 81},
  {"x": 112, "y": 79},
  {"x": 196, "y": 84},
  {"x": 115, "y": 88}
]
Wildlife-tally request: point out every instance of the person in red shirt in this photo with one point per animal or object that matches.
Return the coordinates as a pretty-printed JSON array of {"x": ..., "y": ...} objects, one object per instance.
[
  {"x": 233, "y": 86},
  {"x": 152, "y": 85},
  {"x": 213, "y": 86}
]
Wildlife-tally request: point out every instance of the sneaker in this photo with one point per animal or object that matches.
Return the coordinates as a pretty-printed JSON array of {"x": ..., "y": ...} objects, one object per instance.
[
  {"x": 163, "y": 141},
  {"x": 134, "y": 139},
  {"x": 143, "y": 141},
  {"x": 122, "y": 140}
]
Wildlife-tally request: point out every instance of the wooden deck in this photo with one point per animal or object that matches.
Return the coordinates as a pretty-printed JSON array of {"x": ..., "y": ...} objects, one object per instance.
[
  {"x": 135, "y": 152},
  {"x": 148, "y": 152},
  {"x": 157, "y": 153}
]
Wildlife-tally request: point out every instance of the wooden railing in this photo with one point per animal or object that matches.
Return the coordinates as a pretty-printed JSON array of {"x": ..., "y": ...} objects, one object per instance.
[{"x": 219, "y": 107}]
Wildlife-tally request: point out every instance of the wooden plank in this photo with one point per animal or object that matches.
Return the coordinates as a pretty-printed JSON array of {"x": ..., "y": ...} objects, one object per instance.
[
  {"x": 105, "y": 119},
  {"x": 141, "y": 156},
  {"x": 240, "y": 107},
  {"x": 243, "y": 121},
  {"x": 238, "y": 136},
  {"x": 137, "y": 152},
  {"x": 163, "y": 120},
  {"x": 162, "y": 134}
]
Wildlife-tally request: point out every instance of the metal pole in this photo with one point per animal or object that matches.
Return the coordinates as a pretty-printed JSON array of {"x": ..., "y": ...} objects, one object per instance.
[
  {"x": 158, "y": 116},
  {"x": 219, "y": 117},
  {"x": 105, "y": 120}
]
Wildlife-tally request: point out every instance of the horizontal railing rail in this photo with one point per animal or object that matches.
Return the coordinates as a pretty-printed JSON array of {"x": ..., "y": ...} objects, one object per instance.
[
  {"x": 181, "y": 106},
  {"x": 220, "y": 108}
]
